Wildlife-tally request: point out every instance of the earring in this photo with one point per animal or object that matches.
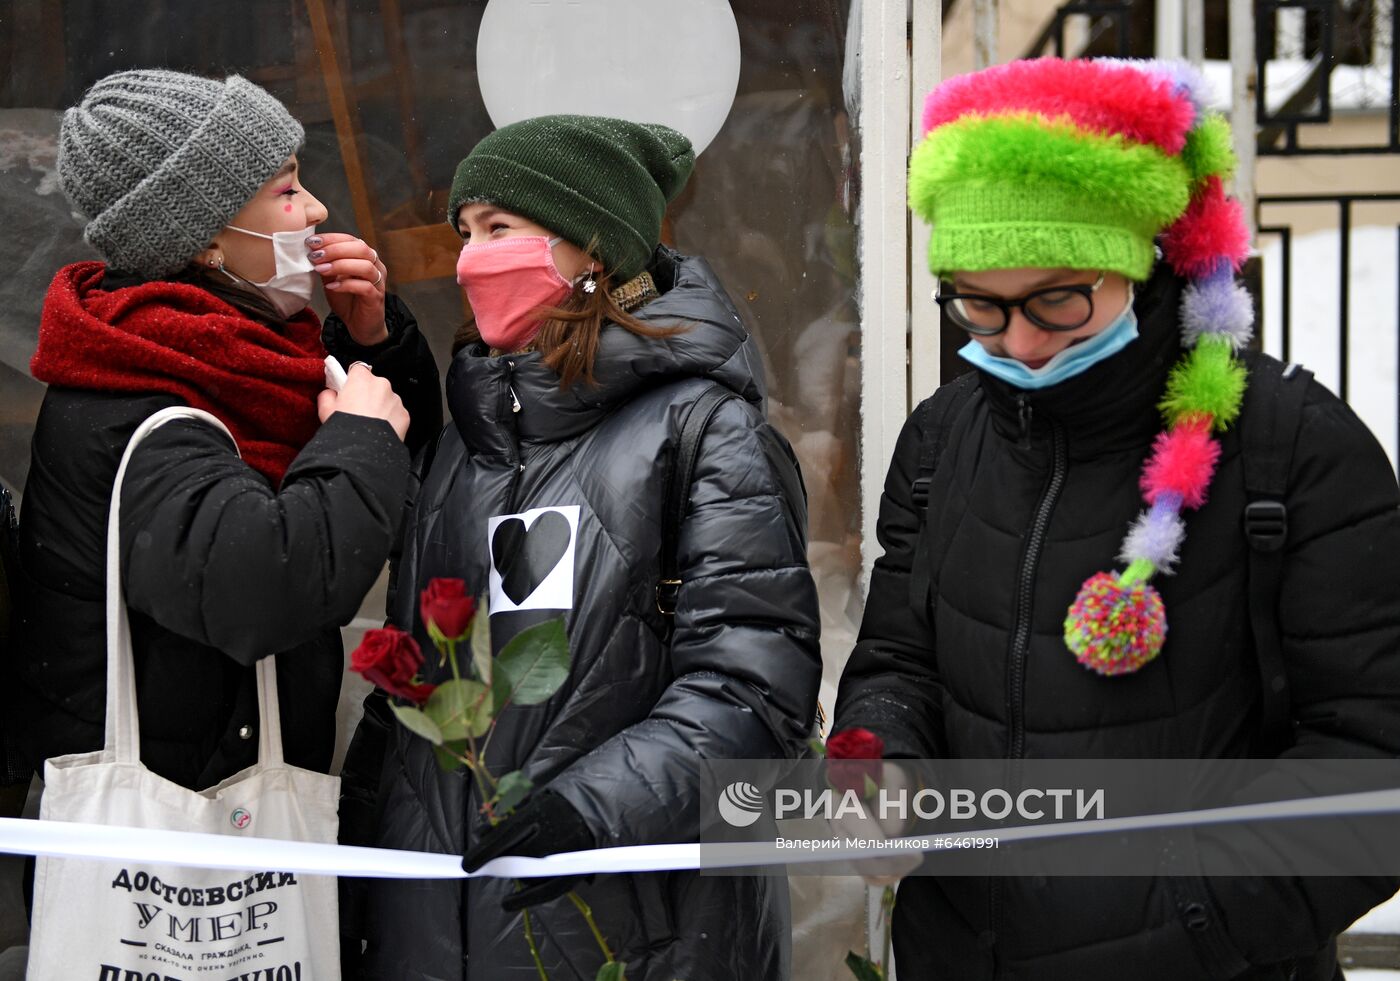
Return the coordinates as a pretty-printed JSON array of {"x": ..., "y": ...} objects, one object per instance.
[
  {"x": 589, "y": 285},
  {"x": 216, "y": 260}
]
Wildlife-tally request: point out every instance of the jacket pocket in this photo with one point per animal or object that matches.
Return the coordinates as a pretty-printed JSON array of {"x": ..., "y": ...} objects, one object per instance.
[{"x": 1197, "y": 913}]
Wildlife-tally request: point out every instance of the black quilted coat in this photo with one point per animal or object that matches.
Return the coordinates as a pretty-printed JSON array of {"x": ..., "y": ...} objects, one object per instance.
[
  {"x": 735, "y": 675},
  {"x": 219, "y": 570},
  {"x": 1033, "y": 495}
]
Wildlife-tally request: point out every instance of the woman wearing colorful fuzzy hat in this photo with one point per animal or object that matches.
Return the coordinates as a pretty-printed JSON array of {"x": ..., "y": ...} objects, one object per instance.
[{"x": 1066, "y": 572}]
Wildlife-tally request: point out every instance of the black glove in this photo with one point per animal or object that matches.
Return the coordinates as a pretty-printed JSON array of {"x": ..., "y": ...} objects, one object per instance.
[{"x": 544, "y": 825}]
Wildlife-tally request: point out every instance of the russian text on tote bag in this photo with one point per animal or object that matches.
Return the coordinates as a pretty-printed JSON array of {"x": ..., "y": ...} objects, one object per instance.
[{"x": 98, "y": 921}]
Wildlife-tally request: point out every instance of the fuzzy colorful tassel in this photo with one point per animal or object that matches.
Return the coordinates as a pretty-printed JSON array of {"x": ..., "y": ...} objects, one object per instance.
[{"x": 1118, "y": 623}]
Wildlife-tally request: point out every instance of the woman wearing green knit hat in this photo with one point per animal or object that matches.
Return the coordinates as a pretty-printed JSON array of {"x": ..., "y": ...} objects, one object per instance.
[
  {"x": 593, "y": 354},
  {"x": 1066, "y": 569}
]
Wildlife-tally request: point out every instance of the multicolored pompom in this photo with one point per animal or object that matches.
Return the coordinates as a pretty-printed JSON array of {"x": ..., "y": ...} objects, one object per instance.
[{"x": 1115, "y": 628}]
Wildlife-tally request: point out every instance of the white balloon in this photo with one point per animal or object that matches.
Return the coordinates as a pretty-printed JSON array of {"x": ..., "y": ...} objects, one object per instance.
[{"x": 674, "y": 62}]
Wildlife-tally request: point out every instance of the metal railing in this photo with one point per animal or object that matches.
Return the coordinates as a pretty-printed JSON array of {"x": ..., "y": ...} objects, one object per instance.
[
  {"x": 1100, "y": 12},
  {"x": 1345, "y": 203},
  {"x": 1316, "y": 89}
]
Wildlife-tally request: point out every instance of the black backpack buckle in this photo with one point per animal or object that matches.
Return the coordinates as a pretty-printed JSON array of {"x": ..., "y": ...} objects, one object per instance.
[
  {"x": 667, "y": 592},
  {"x": 1266, "y": 525},
  {"x": 918, "y": 493}
]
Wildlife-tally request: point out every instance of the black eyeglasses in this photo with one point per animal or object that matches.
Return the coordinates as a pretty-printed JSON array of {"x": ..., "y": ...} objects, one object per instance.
[{"x": 1052, "y": 308}]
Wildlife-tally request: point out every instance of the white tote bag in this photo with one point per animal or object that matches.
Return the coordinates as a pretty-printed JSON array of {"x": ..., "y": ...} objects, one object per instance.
[{"x": 133, "y": 921}]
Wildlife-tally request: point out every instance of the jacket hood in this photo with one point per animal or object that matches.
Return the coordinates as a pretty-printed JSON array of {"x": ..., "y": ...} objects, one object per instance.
[{"x": 483, "y": 391}]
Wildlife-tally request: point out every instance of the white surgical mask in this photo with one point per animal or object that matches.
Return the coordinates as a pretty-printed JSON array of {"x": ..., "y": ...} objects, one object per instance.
[{"x": 290, "y": 288}]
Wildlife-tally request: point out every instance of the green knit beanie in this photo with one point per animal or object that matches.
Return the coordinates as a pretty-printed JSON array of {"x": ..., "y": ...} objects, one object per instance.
[{"x": 596, "y": 181}]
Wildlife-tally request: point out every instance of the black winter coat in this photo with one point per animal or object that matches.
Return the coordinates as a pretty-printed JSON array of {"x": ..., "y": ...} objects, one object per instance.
[
  {"x": 219, "y": 569},
  {"x": 734, "y": 676},
  {"x": 942, "y": 675}
]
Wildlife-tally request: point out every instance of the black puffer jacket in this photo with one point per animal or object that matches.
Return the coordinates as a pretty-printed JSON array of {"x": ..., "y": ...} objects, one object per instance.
[
  {"x": 735, "y": 677},
  {"x": 942, "y": 675},
  {"x": 219, "y": 569}
]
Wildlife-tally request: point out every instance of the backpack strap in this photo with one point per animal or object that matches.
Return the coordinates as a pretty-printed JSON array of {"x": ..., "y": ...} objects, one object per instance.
[
  {"x": 1268, "y": 429},
  {"x": 936, "y": 415},
  {"x": 9, "y": 565},
  {"x": 15, "y": 770},
  {"x": 678, "y": 480}
]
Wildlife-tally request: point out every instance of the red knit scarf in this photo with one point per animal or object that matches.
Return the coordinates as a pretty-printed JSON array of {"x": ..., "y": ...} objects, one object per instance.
[{"x": 184, "y": 341}]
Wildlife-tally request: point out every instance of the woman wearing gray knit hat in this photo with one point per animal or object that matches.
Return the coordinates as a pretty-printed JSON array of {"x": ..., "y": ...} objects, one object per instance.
[
  {"x": 561, "y": 488},
  {"x": 190, "y": 187}
]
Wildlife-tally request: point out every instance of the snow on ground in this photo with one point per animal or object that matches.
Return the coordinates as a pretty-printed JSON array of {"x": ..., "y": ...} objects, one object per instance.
[
  {"x": 1383, "y": 919},
  {"x": 1371, "y": 358},
  {"x": 1355, "y": 88}
]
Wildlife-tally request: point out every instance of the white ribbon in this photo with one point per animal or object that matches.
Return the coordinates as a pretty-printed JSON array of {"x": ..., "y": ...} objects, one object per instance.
[{"x": 92, "y": 841}]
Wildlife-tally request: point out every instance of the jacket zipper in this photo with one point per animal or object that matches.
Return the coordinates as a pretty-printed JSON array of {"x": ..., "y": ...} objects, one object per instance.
[
  {"x": 517, "y": 463},
  {"x": 1023, "y": 417},
  {"x": 1021, "y": 635}
]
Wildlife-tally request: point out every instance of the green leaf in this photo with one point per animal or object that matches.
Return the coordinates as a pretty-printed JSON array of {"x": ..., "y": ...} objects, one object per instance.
[
  {"x": 870, "y": 789},
  {"x": 817, "y": 747},
  {"x": 418, "y": 723},
  {"x": 532, "y": 666},
  {"x": 447, "y": 755},
  {"x": 511, "y": 790},
  {"x": 481, "y": 641},
  {"x": 612, "y": 971},
  {"x": 460, "y": 709},
  {"x": 862, "y": 967}
]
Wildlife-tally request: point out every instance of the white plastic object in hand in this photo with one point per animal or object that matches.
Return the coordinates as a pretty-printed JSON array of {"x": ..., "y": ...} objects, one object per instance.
[{"x": 335, "y": 374}]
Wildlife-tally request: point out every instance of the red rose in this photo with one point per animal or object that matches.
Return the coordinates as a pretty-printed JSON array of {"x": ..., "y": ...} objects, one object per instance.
[
  {"x": 390, "y": 659},
  {"x": 854, "y": 755},
  {"x": 446, "y": 605}
]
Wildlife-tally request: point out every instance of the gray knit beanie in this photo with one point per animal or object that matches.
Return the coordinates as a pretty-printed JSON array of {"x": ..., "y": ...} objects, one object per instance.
[{"x": 159, "y": 161}]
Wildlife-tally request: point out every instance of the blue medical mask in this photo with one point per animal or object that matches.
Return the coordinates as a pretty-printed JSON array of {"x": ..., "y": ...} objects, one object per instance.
[{"x": 1073, "y": 360}]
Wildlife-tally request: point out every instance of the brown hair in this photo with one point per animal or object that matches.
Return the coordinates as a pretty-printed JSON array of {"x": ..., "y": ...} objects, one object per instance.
[{"x": 568, "y": 341}]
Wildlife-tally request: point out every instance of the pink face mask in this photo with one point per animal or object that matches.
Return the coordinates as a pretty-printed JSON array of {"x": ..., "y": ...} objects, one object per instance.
[{"x": 507, "y": 282}]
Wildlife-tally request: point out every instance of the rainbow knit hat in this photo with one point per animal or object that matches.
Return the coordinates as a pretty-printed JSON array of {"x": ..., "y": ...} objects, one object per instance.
[
  {"x": 1078, "y": 164},
  {"x": 1091, "y": 164}
]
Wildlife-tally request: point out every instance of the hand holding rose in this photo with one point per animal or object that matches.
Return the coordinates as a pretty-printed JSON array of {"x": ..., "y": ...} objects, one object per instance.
[{"x": 855, "y": 763}]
